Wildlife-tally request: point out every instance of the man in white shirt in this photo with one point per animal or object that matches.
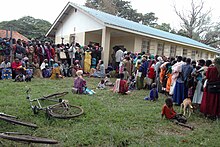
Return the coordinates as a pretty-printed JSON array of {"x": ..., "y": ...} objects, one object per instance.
[
  {"x": 118, "y": 57},
  {"x": 72, "y": 51}
]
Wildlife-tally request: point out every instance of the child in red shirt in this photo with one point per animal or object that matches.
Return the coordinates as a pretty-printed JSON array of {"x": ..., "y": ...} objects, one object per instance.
[{"x": 168, "y": 110}]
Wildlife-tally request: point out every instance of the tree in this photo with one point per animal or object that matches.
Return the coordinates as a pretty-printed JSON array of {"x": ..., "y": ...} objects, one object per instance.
[
  {"x": 212, "y": 37},
  {"x": 123, "y": 9},
  {"x": 196, "y": 22},
  {"x": 28, "y": 26},
  {"x": 149, "y": 19}
]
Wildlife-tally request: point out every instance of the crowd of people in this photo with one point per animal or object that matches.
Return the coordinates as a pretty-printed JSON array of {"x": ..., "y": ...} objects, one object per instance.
[
  {"x": 43, "y": 59},
  {"x": 176, "y": 77}
]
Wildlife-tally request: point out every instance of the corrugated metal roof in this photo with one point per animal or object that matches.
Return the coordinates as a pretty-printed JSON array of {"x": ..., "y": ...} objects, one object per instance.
[{"x": 124, "y": 23}]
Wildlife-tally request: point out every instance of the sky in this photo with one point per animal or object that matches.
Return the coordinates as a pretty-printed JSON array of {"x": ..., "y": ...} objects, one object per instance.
[{"x": 50, "y": 9}]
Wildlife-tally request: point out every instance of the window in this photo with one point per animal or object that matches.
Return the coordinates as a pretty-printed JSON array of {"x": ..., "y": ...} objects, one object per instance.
[
  {"x": 193, "y": 56},
  {"x": 212, "y": 56},
  {"x": 201, "y": 54},
  {"x": 173, "y": 51},
  {"x": 184, "y": 52},
  {"x": 160, "y": 48},
  {"x": 206, "y": 56},
  {"x": 145, "y": 46}
]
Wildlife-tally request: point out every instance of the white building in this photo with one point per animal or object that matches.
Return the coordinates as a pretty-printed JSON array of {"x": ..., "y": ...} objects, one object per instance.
[{"x": 86, "y": 25}]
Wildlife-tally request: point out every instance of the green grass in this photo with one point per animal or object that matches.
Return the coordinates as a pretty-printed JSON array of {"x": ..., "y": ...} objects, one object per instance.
[{"x": 110, "y": 119}]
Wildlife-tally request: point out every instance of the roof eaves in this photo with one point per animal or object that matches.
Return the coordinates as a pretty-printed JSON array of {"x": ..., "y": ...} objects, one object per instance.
[
  {"x": 159, "y": 37},
  {"x": 87, "y": 13},
  {"x": 58, "y": 18}
]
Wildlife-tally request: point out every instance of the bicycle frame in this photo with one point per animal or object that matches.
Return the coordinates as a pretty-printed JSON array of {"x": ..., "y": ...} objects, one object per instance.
[{"x": 39, "y": 107}]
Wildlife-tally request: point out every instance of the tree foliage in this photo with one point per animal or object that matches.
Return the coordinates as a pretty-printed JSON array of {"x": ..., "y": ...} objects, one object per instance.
[
  {"x": 123, "y": 9},
  {"x": 28, "y": 26},
  {"x": 164, "y": 26},
  {"x": 196, "y": 22}
]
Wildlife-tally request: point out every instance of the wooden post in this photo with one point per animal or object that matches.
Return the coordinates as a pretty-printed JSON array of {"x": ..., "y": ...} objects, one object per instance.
[{"x": 11, "y": 47}]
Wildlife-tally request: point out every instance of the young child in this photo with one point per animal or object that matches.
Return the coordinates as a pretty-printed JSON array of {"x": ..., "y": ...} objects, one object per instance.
[
  {"x": 169, "y": 113},
  {"x": 153, "y": 93},
  {"x": 101, "y": 84},
  {"x": 107, "y": 81},
  {"x": 168, "y": 110}
]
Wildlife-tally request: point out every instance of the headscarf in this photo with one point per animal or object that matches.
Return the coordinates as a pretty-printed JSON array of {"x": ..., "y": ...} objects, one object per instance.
[{"x": 160, "y": 59}]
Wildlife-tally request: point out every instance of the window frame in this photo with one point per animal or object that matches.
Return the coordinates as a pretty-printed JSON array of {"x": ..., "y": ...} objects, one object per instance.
[
  {"x": 186, "y": 52},
  {"x": 173, "y": 50},
  {"x": 160, "y": 44},
  {"x": 145, "y": 46}
]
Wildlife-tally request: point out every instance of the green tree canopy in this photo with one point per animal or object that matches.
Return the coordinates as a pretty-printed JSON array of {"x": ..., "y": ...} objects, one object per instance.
[
  {"x": 28, "y": 26},
  {"x": 123, "y": 9}
]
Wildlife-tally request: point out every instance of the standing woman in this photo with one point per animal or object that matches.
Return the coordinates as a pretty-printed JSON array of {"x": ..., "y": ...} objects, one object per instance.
[
  {"x": 197, "y": 98},
  {"x": 127, "y": 62},
  {"x": 180, "y": 90},
  {"x": 87, "y": 61},
  {"x": 211, "y": 101}
]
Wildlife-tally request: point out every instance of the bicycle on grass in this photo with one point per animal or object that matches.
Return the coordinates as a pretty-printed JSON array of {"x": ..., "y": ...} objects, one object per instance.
[
  {"x": 16, "y": 136},
  {"x": 62, "y": 109}
]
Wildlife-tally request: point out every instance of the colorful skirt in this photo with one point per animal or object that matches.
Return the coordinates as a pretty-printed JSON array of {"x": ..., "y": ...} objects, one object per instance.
[{"x": 179, "y": 93}]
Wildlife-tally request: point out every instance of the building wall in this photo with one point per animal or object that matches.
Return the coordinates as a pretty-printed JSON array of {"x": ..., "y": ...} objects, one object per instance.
[
  {"x": 84, "y": 27},
  {"x": 73, "y": 24},
  {"x": 93, "y": 37},
  {"x": 179, "y": 50},
  {"x": 127, "y": 41},
  {"x": 137, "y": 44},
  {"x": 167, "y": 49},
  {"x": 153, "y": 47}
]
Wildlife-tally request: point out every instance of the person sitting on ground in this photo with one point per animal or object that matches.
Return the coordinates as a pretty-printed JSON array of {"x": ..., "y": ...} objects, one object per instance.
[
  {"x": 43, "y": 68},
  {"x": 65, "y": 68},
  {"x": 101, "y": 72},
  {"x": 5, "y": 69},
  {"x": 79, "y": 86},
  {"x": 107, "y": 81},
  {"x": 153, "y": 93},
  {"x": 16, "y": 67},
  {"x": 21, "y": 77},
  {"x": 101, "y": 85},
  {"x": 79, "y": 83},
  {"x": 169, "y": 113},
  {"x": 121, "y": 85},
  {"x": 76, "y": 66},
  {"x": 37, "y": 72},
  {"x": 168, "y": 110},
  {"x": 56, "y": 74}
]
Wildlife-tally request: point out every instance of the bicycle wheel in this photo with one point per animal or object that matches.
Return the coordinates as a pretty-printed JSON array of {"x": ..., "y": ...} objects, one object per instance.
[
  {"x": 67, "y": 111},
  {"x": 27, "y": 138},
  {"x": 15, "y": 121},
  {"x": 55, "y": 95}
]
